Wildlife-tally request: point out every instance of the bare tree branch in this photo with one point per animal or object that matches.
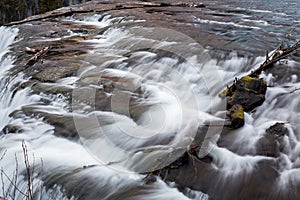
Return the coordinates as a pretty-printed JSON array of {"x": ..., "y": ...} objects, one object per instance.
[{"x": 279, "y": 54}]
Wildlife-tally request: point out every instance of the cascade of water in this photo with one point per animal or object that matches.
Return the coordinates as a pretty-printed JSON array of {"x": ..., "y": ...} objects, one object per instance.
[
  {"x": 59, "y": 156},
  {"x": 163, "y": 93}
]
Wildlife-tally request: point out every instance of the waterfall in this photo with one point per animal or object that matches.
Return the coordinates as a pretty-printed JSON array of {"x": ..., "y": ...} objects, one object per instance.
[
  {"x": 58, "y": 165},
  {"x": 114, "y": 108}
]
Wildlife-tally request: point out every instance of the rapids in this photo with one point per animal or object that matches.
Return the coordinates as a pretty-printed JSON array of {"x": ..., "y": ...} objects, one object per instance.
[{"x": 136, "y": 101}]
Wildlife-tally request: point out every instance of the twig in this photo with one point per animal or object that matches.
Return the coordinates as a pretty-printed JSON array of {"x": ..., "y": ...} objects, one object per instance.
[
  {"x": 12, "y": 189},
  {"x": 41, "y": 175},
  {"x": 32, "y": 171},
  {"x": 16, "y": 176},
  {"x": 27, "y": 165},
  {"x": 11, "y": 182},
  {"x": 38, "y": 56},
  {"x": 276, "y": 56},
  {"x": 5, "y": 151},
  {"x": 2, "y": 181}
]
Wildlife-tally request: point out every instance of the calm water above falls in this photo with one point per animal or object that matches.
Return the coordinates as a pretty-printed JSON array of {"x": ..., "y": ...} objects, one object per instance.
[
  {"x": 251, "y": 26},
  {"x": 167, "y": 87}
]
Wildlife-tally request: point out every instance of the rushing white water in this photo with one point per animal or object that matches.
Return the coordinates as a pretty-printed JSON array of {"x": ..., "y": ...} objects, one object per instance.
[
  {"x": 50, "y": 155},
  {"x": 173, "y": 96}
]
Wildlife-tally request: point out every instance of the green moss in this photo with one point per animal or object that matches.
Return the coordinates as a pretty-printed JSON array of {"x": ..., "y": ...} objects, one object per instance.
[
  {"x": 248, "y": 79},
  {"x": 224, "y": 93},
  {"x": 237, "y": 116},
  {"x": 237, "y": 111}
]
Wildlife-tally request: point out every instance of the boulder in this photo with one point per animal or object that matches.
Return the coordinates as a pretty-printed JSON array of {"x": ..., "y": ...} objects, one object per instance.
[
  {"x": 247, "y": 100},
  {"x": 249, "y": 92}
]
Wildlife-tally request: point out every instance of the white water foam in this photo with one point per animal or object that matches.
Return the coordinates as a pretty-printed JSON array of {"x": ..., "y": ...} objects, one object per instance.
[
  {"x": 58, "y": 154},
  {"x": 205, "y": 21}
]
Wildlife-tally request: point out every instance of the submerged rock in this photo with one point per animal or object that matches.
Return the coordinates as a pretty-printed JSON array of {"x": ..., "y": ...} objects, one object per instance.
[
  {"x": 268, "y": 146},
  {"x": 124, "y": 94},
  {"x": 271, "y": 144},
  {"x": 112, "y": 79},
  {"x": 53, "y": 71},
  {"x": 205, "y": 176}
]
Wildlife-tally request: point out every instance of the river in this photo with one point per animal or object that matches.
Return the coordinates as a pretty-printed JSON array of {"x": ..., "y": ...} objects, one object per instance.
[{"x": 124, "y": 92}]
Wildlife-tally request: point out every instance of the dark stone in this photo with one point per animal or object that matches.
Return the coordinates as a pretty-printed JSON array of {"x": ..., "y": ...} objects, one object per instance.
[
  {"x": 182, "y": 160},
  {"x": 10, "y": 128},
  {"x": 277, "y": 129},
  {"x": 249, "y": 92},
  {"x": 248, "y": 100},
  {"x": 82, "y": 31},
  {"x": 119, "y": 6},
  {"x": 206, "y": 159}
]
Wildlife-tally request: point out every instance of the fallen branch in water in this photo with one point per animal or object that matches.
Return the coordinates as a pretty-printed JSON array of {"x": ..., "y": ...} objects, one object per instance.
[
  {"x": 279, "y": 54},
  {"x": 37, "y": 56},
  {"x": 249, "y": 91}
]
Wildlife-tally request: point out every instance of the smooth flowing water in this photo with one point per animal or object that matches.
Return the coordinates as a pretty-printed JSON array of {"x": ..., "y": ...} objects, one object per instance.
[{"x": 166, "y": 85}]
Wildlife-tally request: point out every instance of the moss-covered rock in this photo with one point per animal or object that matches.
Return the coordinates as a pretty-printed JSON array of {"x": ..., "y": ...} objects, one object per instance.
[
  {"x": 237, "y": 116},
  {"x": 244, "y": 94},
  {"x": 247, "y": 100},
  {"x": 249, "y": 92}
]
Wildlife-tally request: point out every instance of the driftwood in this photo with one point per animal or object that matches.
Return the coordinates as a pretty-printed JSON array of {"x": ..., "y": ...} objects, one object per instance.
[
  {"x": 249, "y": 91},
  {"x": 279, "y": 54},
  {"x": 31, "y": 50},
  {"x": 39, "y": 54}
]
